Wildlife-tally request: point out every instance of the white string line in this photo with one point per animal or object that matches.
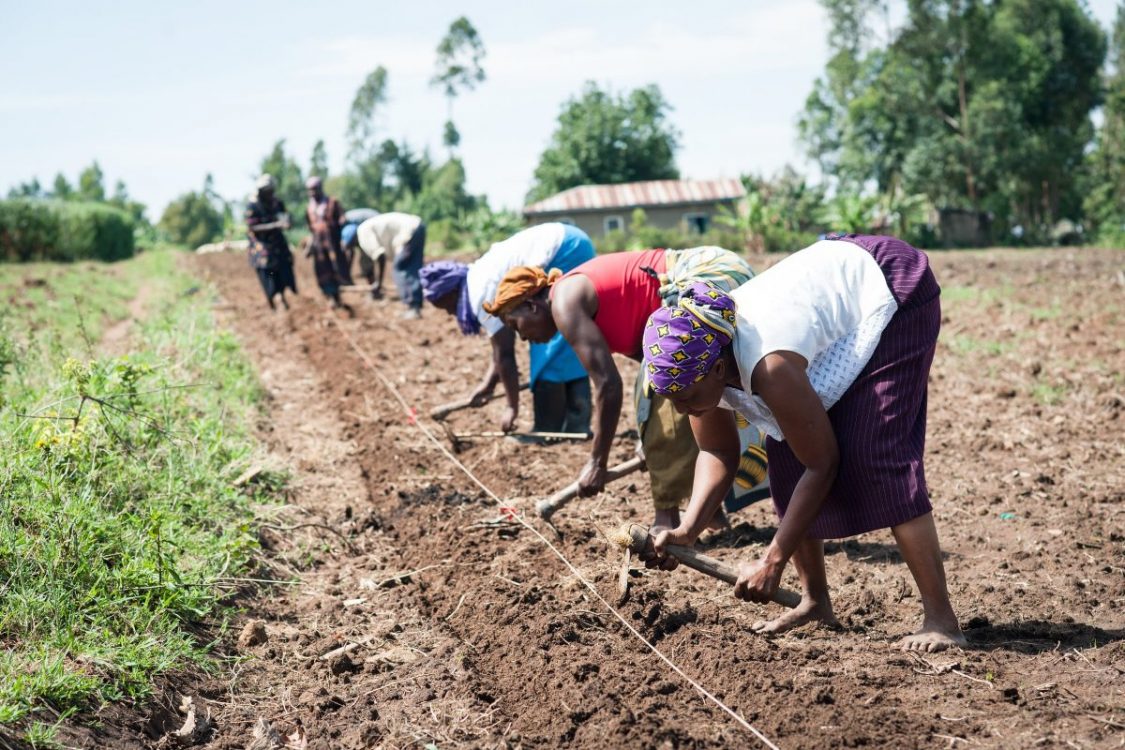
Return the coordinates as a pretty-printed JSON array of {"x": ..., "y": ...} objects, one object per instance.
[{"x": 412, "y": 415}]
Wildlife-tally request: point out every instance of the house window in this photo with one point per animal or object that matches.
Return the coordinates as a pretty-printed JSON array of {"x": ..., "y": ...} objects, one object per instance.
[
  {"x": 697, "y": 223},
  {"x": 614, "y": 224}
]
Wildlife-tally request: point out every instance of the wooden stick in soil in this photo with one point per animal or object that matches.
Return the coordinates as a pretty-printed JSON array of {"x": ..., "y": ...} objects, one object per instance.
[
  {"x": 541, "y": 435},
  {"x": 546, "y": 508},
  {"x": 441, "y": 412},
  {"x": 637, "y": 540}
]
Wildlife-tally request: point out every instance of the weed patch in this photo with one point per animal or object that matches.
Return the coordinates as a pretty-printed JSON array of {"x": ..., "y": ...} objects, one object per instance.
[{"x": 120, "y": 523}]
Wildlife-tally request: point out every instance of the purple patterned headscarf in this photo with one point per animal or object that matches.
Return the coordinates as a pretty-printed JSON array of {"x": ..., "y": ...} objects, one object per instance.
[
  {"x": 681, "y": 343},
  {"x": 444, "y": 276}
]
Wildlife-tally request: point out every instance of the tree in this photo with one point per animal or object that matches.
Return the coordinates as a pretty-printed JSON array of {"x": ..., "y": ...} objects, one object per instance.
[
  {"x": 29, "y": 189},
  {"x": 362, "y": 185},
  {"x": 286, "y": 174},
  {"x": 121, "y": 200},
  {"x": 1104, "y": 204},
  {"x": 91, "y": 185},
  {"x": 443, "y": 194},
  {"x": 191, "y": 220},
  {"x": 459, "y": 56},
  {"x": 318, "y": 162},
  {"x": 60, "y": 188},
  {"x": 603, "y": 138},
  {"x": 362, "y": 123},
  {"x": 976, "y": 105}
]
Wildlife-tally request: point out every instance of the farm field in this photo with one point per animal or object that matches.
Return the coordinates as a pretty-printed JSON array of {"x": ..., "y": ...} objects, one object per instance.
[{"x": 445, "y": 624}]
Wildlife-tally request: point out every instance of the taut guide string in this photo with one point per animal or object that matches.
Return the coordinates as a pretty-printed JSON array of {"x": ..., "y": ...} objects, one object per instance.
[{"x": 411, "y": 416}]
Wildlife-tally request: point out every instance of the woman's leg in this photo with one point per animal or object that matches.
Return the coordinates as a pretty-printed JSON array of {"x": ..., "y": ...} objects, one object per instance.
[
  {"x": 918, "y": 542},
  {"x": 816, "y": 604}
]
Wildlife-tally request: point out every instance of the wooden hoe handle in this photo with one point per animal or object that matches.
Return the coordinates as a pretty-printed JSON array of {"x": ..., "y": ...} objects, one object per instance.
[
  {"x": 441, "y": 412},
  {"x": 547, "y": 508},
  {"x": 639, "y": 542}
]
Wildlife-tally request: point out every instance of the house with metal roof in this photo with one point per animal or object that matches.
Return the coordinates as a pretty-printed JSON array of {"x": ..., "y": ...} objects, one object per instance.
[{"x": 690, "y": 205}]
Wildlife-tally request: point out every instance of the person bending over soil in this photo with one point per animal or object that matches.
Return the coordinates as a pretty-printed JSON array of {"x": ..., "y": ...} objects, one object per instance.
[
  {"x": 828, "y": 352},
  {"x": 404, "y": 237},
  {"x": 600, "y": 308},
  {"x": 559, "y": 386}
]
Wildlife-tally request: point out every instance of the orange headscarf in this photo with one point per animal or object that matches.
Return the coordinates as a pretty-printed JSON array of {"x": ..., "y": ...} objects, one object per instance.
[{"x": 518, "y": 285}]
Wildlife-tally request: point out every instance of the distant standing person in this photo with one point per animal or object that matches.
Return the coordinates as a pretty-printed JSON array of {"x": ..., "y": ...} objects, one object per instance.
[
  {"x": 404, "y": 237},
  {"x": 270, "y": 257},
  {"x": 325, "y": 217},
  {"x": 349, "y": 238},
  {"x": 559, "y": 386}
]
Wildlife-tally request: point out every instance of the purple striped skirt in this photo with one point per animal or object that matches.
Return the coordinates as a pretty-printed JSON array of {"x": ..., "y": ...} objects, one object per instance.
[{"x": 880, "y": 421}]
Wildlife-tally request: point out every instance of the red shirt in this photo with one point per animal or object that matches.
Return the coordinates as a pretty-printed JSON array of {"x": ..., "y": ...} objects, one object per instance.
[{"x": 627, "y": 295}]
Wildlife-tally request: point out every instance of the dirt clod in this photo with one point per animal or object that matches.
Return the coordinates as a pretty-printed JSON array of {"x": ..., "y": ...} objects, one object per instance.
[{"x": 253, "y": 634}]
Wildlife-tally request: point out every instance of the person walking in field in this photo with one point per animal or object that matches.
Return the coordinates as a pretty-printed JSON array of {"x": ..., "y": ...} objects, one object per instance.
[
  {"x": 559, "y": 386},
  {"x": 331, "y": 261},
  {"x": 828, "y": 352},
  {"x": 404, "y": 237},
  {"x": 349, "y": 238},
  {"x": 269, "y": 253},
  {"x": 600, "y": 308}
]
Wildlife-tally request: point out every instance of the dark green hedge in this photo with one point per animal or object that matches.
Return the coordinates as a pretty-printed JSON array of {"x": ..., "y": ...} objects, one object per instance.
[{"x": 55, "y": 230}]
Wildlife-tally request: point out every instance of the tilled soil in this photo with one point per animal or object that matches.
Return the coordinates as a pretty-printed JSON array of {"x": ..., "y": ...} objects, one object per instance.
[{"x": 446, "y": 624}]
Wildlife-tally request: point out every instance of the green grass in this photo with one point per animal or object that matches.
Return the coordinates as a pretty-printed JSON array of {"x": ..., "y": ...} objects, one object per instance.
[
  {"x": 1049, "y": 395},
  {"x": 965, "y": 345},
  {"x": 57, "y": 301},
  {"x": 118, "y": 521}
]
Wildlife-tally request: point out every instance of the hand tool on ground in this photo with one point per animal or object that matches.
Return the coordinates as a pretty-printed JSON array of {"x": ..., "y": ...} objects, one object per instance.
[
  {"x": 441, "y": 412},
  {"x": 636, "y": 539},
  {"x": 531, "y": 434},
  {"x": 546, "y": 508},
  {"x": 460, "y": 439}
]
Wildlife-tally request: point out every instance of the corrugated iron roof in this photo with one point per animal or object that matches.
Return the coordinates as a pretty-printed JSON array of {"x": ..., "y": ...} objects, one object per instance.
[{"x": 638, "y": 194}]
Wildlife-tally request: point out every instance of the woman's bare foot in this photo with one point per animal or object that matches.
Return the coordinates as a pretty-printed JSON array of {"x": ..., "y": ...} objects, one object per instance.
[
  {"x": 933, "y": 636},
  {"x": 809, "y": 610}
]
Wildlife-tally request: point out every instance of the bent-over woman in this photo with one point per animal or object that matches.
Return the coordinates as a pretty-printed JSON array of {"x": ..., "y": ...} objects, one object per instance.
[{"x": 828, "y": 352}]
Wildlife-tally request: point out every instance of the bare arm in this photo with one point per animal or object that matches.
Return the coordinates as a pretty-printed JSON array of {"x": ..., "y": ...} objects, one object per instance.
[
  {"x": 502, "y": 368},
  {"x": 782, "y": 382},
  {"x": 573, "y": 307},
  {"x": 716, "y": 434}
]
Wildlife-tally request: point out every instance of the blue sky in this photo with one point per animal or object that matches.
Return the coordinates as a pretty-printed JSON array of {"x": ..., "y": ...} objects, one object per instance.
[{"x": 162, "y": 93}]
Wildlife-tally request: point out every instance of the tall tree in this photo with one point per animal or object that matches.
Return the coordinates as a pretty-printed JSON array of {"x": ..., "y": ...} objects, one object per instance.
[
  {"x": 61, "y": 188},
  {"x": 362, "y": 118},
  {"x": 29, "y": 189},
  {"x": 363, "y": 183},
  {"x": 974, "y": 104},
  {"x": 459, "y": 56},
  {"x": 91, "y": 184},
  {"x": 1104, "y": 203},
  {"x": 605, "y": 138},
  {"x": 318, "y": 162}
]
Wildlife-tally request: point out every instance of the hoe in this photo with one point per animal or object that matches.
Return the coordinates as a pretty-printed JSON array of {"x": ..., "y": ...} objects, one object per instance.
[{"x": 635, "y": 539}]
